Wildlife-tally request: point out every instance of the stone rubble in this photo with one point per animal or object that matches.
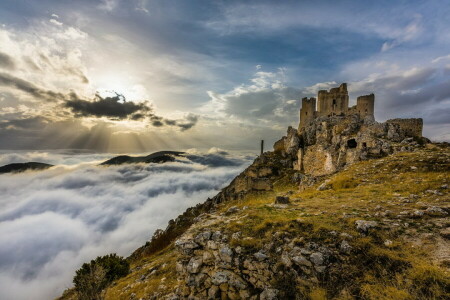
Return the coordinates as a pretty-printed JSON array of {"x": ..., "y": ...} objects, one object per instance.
[{"x": 210, "y": 268}]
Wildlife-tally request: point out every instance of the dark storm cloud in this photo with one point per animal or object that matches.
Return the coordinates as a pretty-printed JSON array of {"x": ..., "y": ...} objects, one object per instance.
[
  {"x": 29, "y": 88},
  {"x": 6, "y": 61},
  {"x": 184, "y": 124},
  {"x": 115, "y": 107},
  {"x": 188, "y": 123},
  {"x": 170, "y": 122}
]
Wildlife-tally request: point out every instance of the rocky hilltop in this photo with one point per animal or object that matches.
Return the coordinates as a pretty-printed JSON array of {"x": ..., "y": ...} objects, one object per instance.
[
  {"x": 22, "y": 167},
  {"x": 343, "y": 208}
]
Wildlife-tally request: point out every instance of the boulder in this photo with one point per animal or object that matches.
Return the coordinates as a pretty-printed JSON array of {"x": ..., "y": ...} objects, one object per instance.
[
  {"x": 269, "y": 294},
  {"x": 317, "y": 258},
  {"x": 364, "y": 226},
  {"x": 226, "y": 254},
  {"x": 186, "y": 246},
  {"x": 260, "y": 256},
  {"x": 345, "y": 247},
  {"x": 194, "y": 265},
  {"x": 301, "y": 261}
]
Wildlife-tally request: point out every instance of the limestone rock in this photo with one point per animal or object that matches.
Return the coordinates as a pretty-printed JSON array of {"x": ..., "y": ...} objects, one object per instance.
[
  {"x": 345, "y": 247},
  {"x": 220, "y": 277},
  {"x": 269, "y": 294},
  {"x": 436, "y": 211},
  {"x": 203, "y": 237},
  {"x": 186, "y": 246},
  {"x": 364, "y": 226},
  {"x": 301, "y": 261},
  {"x": 260, "y": 256},
  {"x": 226, "y": 254},
  {"x": 317, "y": 258},
  {"x": 194, "y": 265}
]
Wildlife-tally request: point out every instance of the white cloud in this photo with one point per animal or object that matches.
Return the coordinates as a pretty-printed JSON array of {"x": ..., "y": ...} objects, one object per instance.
[
  {"x": 141, "y": 5},
  {"x": 261, "y": 102},
  {"x": 313, "y": 89},
  {"x": 108, "y": 5},
  {"x": 56, "y": 22},
  {"x": 411, "y": 32},
  {"x": 441, "y": 58}
]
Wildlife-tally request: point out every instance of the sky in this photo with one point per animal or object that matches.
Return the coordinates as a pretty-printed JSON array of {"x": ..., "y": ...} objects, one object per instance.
[
  {"x": 146, "y": 75},
  {"x": 81, "y": 80}
]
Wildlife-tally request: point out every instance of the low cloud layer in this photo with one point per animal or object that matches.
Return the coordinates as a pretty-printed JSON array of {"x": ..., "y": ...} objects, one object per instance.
[{"x": 53, "y": 221}]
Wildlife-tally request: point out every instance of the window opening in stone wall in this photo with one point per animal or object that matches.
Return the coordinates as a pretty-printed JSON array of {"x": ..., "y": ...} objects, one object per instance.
[{"x": 352, "y": 143}]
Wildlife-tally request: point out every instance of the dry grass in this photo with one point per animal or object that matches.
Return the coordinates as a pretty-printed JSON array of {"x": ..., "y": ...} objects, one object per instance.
[{"x": 161, "y": 266}]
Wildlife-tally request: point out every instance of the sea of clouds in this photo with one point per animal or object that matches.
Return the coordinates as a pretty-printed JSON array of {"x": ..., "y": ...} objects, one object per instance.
[{"x": 54, "y": 220}]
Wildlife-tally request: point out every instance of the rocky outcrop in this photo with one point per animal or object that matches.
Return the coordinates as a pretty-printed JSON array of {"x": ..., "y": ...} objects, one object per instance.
[
  {"x": 257, "y": 177},
  {"x": 214, "y": 269},
  {"x": 327, "y": 144}
]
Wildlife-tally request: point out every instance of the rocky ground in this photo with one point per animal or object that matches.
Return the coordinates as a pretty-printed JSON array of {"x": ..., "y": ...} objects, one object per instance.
[{"x": 378, "y": 229}]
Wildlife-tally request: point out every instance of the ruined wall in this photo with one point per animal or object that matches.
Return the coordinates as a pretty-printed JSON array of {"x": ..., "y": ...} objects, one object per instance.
[
  {"x": 411, "y": 127},
  {"x": 307, "y": 112},
  {"x": 334, "y": 102},
  {"x": 365, "y": 105},
  {"x": 328, "y": 144},
  {"x": 318, "y": 161}
]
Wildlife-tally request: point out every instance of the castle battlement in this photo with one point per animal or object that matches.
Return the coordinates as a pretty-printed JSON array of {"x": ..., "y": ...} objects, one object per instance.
[{"x": 335, "y": 103}]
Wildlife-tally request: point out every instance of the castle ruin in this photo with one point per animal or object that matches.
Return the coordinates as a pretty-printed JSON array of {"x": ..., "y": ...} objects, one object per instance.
[
  {"x": 334, "y": 135},
  {"x": 335, "y": 103}
]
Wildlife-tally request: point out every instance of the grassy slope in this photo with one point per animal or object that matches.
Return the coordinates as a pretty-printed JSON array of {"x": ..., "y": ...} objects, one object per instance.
[{"x": 414, "y": 266}]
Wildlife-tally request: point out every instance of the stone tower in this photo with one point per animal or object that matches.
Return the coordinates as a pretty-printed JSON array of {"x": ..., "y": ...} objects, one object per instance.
[
  {"x": 334, "y": 102},
  {"x": 365, "y": 105},
  {"x": 308, "y": 111}
]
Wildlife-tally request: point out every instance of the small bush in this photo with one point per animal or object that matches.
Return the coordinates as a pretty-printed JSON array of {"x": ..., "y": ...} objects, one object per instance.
[
  {"x": 344, "y": 182},
  {"x": 93, "y": 277}
]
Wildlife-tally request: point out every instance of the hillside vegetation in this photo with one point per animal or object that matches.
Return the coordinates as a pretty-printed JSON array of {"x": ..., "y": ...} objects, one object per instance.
[{"x": 379, "y": 229}]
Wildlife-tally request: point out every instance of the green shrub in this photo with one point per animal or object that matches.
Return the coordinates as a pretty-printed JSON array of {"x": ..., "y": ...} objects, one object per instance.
[
  {"x": 93, "y": 277},
  {"x": 344, "y": 182}
]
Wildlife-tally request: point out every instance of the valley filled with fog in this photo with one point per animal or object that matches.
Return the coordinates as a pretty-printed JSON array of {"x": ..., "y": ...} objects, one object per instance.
[{"x": 54, "y": 220}]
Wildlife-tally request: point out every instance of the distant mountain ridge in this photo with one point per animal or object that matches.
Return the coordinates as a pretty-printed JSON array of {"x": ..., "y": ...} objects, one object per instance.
[
  {"x": 22, "y": 167},
  {"x": 160, "y": 157},
  {"x": 157, "y": 157}
]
